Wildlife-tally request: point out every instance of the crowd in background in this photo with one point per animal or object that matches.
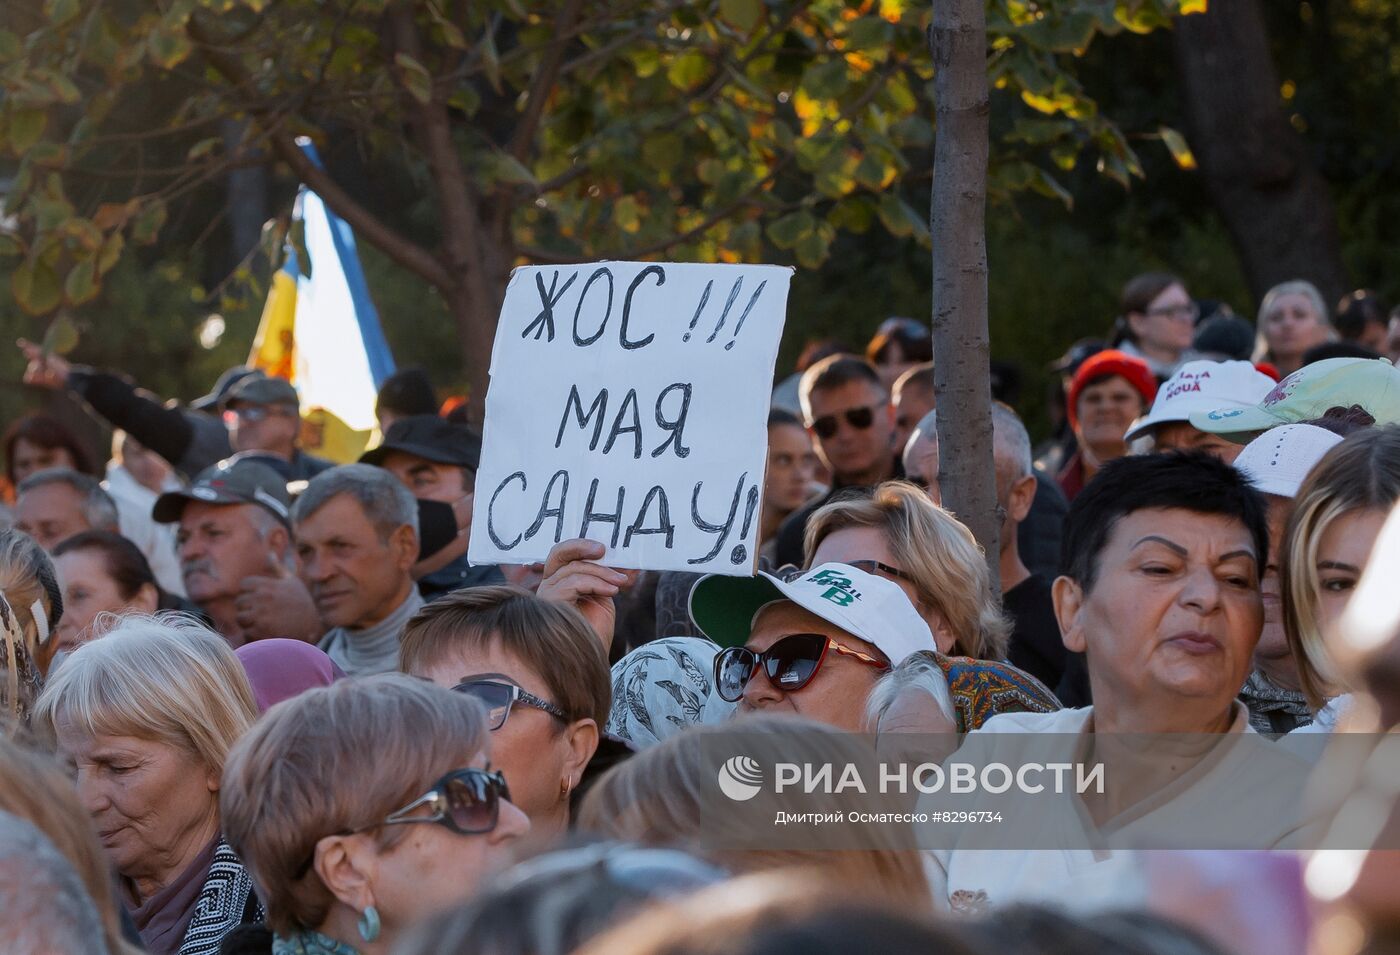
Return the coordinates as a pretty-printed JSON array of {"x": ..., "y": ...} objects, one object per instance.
[{"x": 256, "y": 702}]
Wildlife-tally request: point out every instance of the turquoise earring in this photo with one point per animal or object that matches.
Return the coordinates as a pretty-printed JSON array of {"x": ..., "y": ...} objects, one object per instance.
[{"x": 369, "y": 924}]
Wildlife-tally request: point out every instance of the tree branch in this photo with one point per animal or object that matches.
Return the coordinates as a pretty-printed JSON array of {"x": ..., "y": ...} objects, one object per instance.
[
  {"x": 545, "y": 75},
  {"x": 402, "y": 250}
]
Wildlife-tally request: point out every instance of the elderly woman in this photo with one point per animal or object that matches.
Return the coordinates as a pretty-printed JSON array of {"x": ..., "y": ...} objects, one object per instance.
[
  {"x": 31, "y": 607},
  {"x": 1108, "y": 392},
  {"x": 147, "y": 715},
  {"x": 101, "y": 572},
  {"x": 351, "y": 843},
  {"x": 1336, "y": 519},
  {"x": 898, "y": 533},
  {"x": 1292, "y": 319},
  {"x": 539, "y": 670}
]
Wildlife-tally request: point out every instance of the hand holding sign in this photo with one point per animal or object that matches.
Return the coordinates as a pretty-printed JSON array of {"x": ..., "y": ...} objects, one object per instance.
[
  {"x": 628, "y": 405},
  {"x": 571, "y": 577}
]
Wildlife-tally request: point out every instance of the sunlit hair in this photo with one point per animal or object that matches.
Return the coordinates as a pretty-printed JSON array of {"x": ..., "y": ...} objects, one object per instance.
[
  {"x": 937, "y": 551},
  {"x": 33, "y": 787},
  {"x": 658, "y": 796},
  {"x": 1270, "y": 302},
  {"x": 919, "y": 672},
  {"x": 1361, "y": 473},
  {"x": 165, "y": 678},
  {"x": 332, "y": 760},
  {"x": 550, "y": 638}
]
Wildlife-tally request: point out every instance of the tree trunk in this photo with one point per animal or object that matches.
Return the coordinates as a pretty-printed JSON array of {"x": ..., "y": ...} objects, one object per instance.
[
  {"x": 476, "y": 316},
  {"x": 1256, "y": 166},
  {"x": 962, "y": 352}
]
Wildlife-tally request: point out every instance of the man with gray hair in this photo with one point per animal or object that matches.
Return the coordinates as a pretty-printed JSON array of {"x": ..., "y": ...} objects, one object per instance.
[
  {"x": 53, "y": 505},
  {"x": 357, "y": 537},
  {"x": 1035, "y": 639},
  {"x": 44, "y": 906}
]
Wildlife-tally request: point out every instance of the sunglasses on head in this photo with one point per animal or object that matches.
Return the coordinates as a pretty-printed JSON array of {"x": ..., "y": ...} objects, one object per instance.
[
  {"x": 498, "y": 697},
  {"x": 467, "y": 801},
  {"x": 859, "y": 418},
  {"x": 790, "y": 664}
]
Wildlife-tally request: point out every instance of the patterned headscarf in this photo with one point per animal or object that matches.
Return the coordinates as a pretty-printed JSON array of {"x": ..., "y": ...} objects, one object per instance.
[
  {"x": 982, "y": 689},
  {"x": 662, "y": 687},
  {"x": 20, "y": 683}
]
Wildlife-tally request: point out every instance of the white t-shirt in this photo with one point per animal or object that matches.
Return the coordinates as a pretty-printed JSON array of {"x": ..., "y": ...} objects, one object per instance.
[{"x": 1081, "y": 866}]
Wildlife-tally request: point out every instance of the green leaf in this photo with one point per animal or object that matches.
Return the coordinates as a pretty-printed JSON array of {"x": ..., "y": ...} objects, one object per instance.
[
  {"x": 35, "y": 287},
  {"x": 204, "y": 147},
  {"x": 147, "y": 224},
  {"x": 627, "y": 214},
  {"x": 897, "y": 217},
  {"x": 80, "y": 286},
  {"x": 743, "y": 14},
  {"x": 25, "y": 128},
  {"x": 688, "y": 70},
  {"x": 491, "y": 59},
  {"x": 1180, "y": 151},
  {"x": 466, "y": 99},
  {"x": 663, "y": 152},
  {"x": 60, "y": 12},
  {"x": 451, "y": 35},
  {"x": 813, "y": 248},
  {"x": 10, "y": 245},
  {"x": 506, "y": 168},
  {"x": 111, "y": 252},
  {"x": 1048, "y": 186},
  {"x": 415, "y": 78},
  {"x": 168, "y": 48},
  {"x": 790, "y": 229},
  {"x": 856, "y": 214},
  {"x": 10, "y": 48}
]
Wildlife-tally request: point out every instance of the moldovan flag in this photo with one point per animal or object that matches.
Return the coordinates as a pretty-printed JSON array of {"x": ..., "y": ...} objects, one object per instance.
[
  {"x": 274, "y": 346},
  {"x": 341, "y": 356}
]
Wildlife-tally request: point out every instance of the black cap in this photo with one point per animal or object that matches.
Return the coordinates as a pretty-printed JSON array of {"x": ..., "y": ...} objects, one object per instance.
[
  {"x": 1227, "y": 335},
  {"x": 260, "y": 389},
  {"x": 431, "y": 438},
  {"x": 226, "y": 381},
  {"x": 1085, "y": 348},
  {"x": 234, "y": 480}
]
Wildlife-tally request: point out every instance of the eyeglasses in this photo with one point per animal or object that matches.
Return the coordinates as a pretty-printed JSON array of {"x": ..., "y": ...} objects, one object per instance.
[
  {"x": 467, "y": 801},
  {"x": 859, "y": 418},
  {"x": 652, "y": 872},
  {"x": 790, "y": 664},
  {"x": 876, "y": 567},
  {"x": 499, "y": 697},
  {"x": 253, "y": 413},
  {"x": 1181, "y": 310}
]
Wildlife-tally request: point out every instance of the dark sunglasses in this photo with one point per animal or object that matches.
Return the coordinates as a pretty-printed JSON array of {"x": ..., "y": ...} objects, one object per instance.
[
  {"x": 858, "y": 418},
  {"x": 789, "y": 664},
  {"x": 877, "y": 567},
  {"x": 467, "y": 801},
  {"x": 499, "y": 697}
]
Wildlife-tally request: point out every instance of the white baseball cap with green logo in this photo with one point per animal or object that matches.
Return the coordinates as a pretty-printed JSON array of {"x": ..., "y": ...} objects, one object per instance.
[
  {"x": 1310, "y": 392},
  {"x": 867, "y": 607}
]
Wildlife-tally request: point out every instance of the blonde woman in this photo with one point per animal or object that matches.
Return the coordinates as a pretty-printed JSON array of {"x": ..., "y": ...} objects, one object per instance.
[
  {"x": 899, "y": 533},
  {"x": 33, "y": 787},
  {"x": 667, "y": 796},
  {"x": 147, "y": 715},
  {"x": 1292, "y": 319},
  {"x": 31, "y": 606},
  {"x": 1336, "y": 519}
]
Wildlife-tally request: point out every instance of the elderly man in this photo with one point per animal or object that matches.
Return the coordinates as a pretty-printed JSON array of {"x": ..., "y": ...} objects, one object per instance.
[
  {"x": 357, "y": 537},
  {"x": 913, "y": 399},
  {"x": 849, "y": 414},
  {"x": 437, "y": 461},
  {"x": 813, "y": 646},
  {"x": 1163, "y": 595},
  {"x": 53, "y": 505},
  {"x": 235, "y": 548}
]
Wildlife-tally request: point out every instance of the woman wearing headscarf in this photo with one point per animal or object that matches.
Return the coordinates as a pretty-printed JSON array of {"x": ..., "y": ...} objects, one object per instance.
[
  {"x": 663, "y": 687},
  {"x": 279, "y": 669},
  {"x": 31, "y": 607}
]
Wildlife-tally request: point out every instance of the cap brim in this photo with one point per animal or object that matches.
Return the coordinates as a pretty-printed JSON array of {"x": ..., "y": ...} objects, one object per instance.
[
  {"x": 723, "y": 607},
  {"x": 207, "y": 403},
  {"x": 427, "y": 452},
  {"x": 1239, "y": 425}
]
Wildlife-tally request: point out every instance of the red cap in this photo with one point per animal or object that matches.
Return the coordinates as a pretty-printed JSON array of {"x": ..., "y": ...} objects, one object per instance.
[{"x": 1106, "y": 364}]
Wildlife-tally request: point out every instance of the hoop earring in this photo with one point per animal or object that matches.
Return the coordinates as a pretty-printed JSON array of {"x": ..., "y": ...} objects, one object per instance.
[{"x": 369, "y": 924}]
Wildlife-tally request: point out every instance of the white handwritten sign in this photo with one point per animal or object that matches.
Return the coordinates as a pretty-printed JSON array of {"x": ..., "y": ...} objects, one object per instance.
[{"x": 628, "y": 405}]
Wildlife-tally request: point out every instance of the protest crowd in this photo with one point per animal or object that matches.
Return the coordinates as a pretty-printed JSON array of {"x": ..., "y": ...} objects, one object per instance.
[{"x": 257, "y": 702}]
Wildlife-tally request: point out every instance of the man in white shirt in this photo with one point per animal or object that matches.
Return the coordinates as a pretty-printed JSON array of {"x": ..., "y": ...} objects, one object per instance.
[{"x": 1161, "y": 591}]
